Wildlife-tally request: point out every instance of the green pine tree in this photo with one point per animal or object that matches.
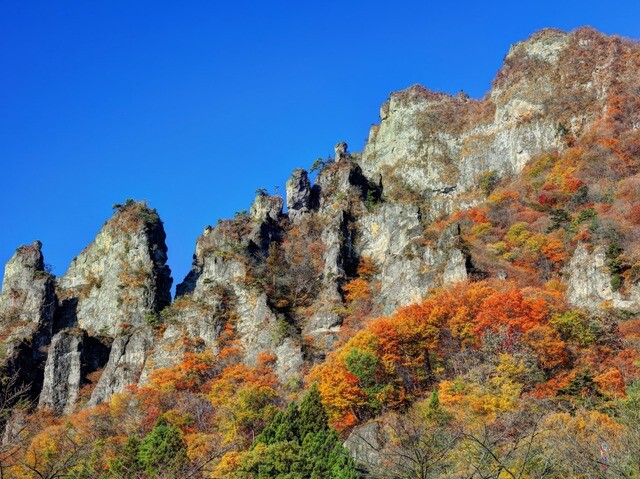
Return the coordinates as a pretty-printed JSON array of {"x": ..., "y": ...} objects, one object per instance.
[
  {"x": 283, "y": 427},
  {"x": 163, "y": 449},
  {"x": 313, "y": 417},
  {"x": 126, "y": 463},
  {"x": 434, "y": 412},
  {"x": 298, "y": 444},
  {"x": 289, "y": 428}
]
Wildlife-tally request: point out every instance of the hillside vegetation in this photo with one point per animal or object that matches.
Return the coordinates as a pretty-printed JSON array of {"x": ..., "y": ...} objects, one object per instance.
[{"x": 460, "y": 300}]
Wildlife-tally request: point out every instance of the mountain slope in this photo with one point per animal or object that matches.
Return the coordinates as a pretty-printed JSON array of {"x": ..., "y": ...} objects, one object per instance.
[{"x": 484, "y": 252}]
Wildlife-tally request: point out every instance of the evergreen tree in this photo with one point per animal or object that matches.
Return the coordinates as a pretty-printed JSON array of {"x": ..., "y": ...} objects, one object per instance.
[
  {"x": 323, "y": 456},
  {"x": 163, "y": 449},
  {"x": 298, "y": 444},
  {"x": 283, "y": 427},
  {"x": 582, "y": 387},
  {"x": 313, "y": 417},
  {"x": 433, "y": 413},
  {"x": 126, "y": 463},
  {"x": 289, "y": 428}
]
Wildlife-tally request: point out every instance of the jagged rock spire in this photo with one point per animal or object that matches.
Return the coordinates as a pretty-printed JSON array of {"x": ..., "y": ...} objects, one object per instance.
[
  {"x": 298, "y": 193},
  {"x": 26, "y": 287},
  {"x": 27, "y": 307},
  {"x": 110, "y": 291},
  {"x": 341, "y": 151},
  {"x": 119, "y": 278},
  {"x": 266, "y": 207}
]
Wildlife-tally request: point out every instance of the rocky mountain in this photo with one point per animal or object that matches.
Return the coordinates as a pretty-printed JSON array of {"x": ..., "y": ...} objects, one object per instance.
[
  {"x": 535, "y": 183},
  {"x": 27, "y": 306},
  {"x": 82, "y": 323}
]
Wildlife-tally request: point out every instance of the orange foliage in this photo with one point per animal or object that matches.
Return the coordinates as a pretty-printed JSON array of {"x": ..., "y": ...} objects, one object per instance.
[
  {"x": 340, "y": 390},
  {"x": 266, "y": 358},
  {"x": 550, "y": 388},
  {"x": 478, "y": 215},
  {"x": 366, "y": 268},
  {"x": 511, "y": 309},
  {"x": 611, "y": 382},
  {"x": 462, "y": 303},
  {"x": 407, "y": 351},
  {"x": 401, "y": 344},
  {"x": 356, "y": 290},
  {"x": 555, "y": 251},
  {"x": 548, "y": 345},
  {"x": 189, "y": 375},
  {"x": 245, "y": 399}
]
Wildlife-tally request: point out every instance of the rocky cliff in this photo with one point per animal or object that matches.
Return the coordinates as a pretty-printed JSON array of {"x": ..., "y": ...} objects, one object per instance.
[
  {"x": 61, "y": 336},
  {"x": 27, "y": 306},
  {"x": 120, "y": 278},
  {"x": 373, "y": 232}
]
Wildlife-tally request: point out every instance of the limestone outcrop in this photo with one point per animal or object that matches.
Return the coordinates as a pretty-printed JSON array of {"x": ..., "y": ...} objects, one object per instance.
[
  {"x": 72, "y": 356},
  {"x": 125, "y": 364},
  {"x": 121, "y": 277},
  {"x": 219, "y": 291},
  {"x": 589, "y": 282},
  {"x": 299, "y": 194},
  {"x": 27, "y": 306},
  {"x": 107, "y": 298},
  {"x": 433, "y": 148},
  {"x": 276, "y": 280}
]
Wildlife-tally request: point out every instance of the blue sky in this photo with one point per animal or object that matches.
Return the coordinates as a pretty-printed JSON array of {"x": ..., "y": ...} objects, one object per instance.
[{"x": 194, "y": 105}]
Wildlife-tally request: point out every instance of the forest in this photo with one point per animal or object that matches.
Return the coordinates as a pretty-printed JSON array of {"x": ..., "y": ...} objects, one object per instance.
[{"x": 509, "y": 372}]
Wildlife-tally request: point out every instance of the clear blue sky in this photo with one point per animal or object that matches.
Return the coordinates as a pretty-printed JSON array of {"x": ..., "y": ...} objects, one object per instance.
[{"x": 194, "y": 105}]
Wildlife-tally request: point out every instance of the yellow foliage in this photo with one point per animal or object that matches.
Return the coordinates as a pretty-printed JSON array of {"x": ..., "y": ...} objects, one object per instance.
[
  {"x": 499, "y": 394},
  {"x": 227, "y": 465}
]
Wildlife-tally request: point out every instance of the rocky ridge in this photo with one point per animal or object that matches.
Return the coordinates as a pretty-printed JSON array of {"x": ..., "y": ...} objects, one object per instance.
[
  {"x": 27, "y": 306},
  {"x": 276, "y": 281}
]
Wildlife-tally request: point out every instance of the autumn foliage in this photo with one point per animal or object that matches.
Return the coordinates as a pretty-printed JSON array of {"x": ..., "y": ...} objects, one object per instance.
[
  {"x": 398, "y": 358},
  {"x": 497, "y": 376}
]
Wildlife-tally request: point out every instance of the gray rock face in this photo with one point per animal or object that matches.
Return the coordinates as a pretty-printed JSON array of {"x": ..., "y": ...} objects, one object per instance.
[
  {"x": 324, "y": 324},
  {"x": 441, "y": 165},
  {"x": 365, "y": 443},
  {"x": 27, "y": 289},
  {"x": 260, "y": 329},
  {"x": 220, "y": 268},
  {"x": 72, "y": 357},
  {"x": 266, "y": 207},
  {"x": 436, "y": 147},
  {"x": 392, "y": 238},
  {"x": 121, "y": 277},
  {"x": 194, "y": 324},
  {"x": 203, "y": 319},
  {"x": 338, "y": 183},
  {"x": 341, "y": 187},
  {"x": 63, "y": 373},
  {"x": 27, "y": 307},
  {"x": 115, "y": 284},
  {"x": 341, "y": 151},
  {"x": 126, "y": 362},
  {"x": 389, "y": 231},
  {"x": 298, "y": 194},
  {"x": 449, "y": 257},
  {"x": 589, "y": 282},
  {"x": 391, "y": 235}
]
